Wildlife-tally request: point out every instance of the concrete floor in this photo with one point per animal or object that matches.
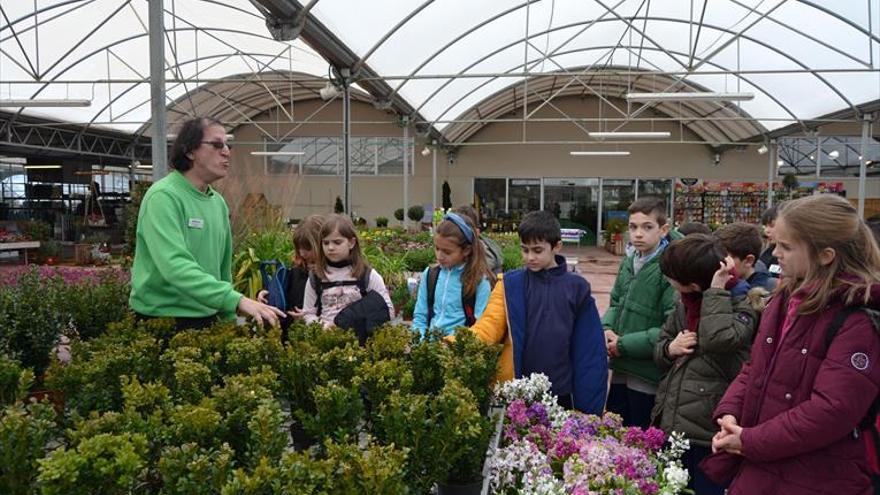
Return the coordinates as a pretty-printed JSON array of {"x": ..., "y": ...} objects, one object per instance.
[{"x": 599, "y": 267}]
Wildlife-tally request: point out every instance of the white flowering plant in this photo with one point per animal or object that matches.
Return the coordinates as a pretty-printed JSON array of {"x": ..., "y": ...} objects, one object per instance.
[{"x": 547, "y": 450}]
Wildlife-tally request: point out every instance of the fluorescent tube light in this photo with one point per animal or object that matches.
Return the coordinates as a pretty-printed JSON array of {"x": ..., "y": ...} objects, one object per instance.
[
  {"x": 630, "y": 135},
  {"x": 41, "y": 167},
  {"x": 689, "y": 96},
  {"x": 278, "y": 153},
  {"x": 46, "y": 102},
  {"x": 14, "y": 160},
  {"x": 599, "y": 153}
]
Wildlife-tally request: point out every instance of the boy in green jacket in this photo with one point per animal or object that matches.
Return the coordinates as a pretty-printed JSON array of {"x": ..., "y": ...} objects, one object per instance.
[{"x": 641, "y": 300}]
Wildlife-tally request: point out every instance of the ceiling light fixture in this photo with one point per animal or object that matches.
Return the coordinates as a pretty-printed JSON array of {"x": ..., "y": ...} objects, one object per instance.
[
  {"x": 599, "y": 153},
  {"x": 834, "y": 154},
  {"x": 763, "y": 149},
  {"x": 779, "y": 163},
  {"x": 41, "y": 167},
  {"x": 45, "y": 102},
  {"x": 630, "y": 135},
  {"x": 647, "y": 97},
  {"x": 13, "y": 160}
]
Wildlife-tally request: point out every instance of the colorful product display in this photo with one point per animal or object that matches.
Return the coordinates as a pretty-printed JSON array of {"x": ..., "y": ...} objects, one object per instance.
[{"x": 718, "y": 203}]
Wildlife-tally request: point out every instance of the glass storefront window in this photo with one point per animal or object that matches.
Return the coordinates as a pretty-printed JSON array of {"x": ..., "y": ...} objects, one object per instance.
[
  {"x": 490, "y": 200},
  {"x": 660, "y": 188},
  {"x": 525, "y": 196},
  {"x": 575, "y": 202},
  {"x": 617, "y": 195}
]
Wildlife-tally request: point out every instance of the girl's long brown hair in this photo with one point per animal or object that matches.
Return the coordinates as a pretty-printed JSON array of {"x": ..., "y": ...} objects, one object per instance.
[
  {"x": 345, "y": 227},
  {"x": 307, "y": 235},
  {"x": 475, "y": 267},
  {"x": 829, "y": 221}
]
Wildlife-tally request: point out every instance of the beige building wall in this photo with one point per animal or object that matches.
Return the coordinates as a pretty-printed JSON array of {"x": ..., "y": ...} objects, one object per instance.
[{"x": 295, "y": 196}]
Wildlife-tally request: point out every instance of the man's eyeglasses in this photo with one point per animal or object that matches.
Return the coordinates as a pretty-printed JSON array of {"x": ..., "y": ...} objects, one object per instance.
[{"x": 218, "y": 145}]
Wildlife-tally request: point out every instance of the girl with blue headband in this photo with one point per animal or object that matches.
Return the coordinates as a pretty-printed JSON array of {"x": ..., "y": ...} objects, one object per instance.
[{"x": 455, "y": 291}]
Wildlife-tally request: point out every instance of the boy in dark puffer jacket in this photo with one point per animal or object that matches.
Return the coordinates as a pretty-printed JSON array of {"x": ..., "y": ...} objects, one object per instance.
[{"x": 702, "y": 346}]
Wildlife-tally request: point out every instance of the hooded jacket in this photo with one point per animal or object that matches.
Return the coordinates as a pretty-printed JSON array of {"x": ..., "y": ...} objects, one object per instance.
[
  {"x": 692, "y": 385},
  {"x": 799, "y": 404}
]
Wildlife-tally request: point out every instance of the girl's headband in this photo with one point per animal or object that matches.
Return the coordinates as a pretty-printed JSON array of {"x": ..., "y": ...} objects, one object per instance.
[{"x": 462, "y": 225}]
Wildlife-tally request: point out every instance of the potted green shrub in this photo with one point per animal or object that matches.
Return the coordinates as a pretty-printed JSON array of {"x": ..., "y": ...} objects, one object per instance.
[
  {"x": 398, "y": 214},
  {"x": 381, "y": 222},
  {"x": 416, "y": 213},
  {"x": 613, "y": 235}
]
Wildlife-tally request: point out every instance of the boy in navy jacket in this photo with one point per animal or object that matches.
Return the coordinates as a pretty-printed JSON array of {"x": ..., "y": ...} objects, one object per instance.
[{"x": 547, "y": 321}]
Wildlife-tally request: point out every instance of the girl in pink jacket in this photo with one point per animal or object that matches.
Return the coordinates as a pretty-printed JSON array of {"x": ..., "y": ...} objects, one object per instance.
[{"x": 789, "y": 423}]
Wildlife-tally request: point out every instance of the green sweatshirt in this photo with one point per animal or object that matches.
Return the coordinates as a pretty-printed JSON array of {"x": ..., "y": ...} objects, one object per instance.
[{"x": 183, "y": 258}]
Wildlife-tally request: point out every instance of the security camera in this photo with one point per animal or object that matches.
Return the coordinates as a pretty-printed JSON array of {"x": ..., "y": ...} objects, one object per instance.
[
  {"x": 328, "y": 92},
  {"x": 717, "y": 159}
]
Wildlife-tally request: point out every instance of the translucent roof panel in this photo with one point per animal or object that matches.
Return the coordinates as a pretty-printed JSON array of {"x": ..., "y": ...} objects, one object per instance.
[
  {"x": 801, "y": 58},
  {"x": 103, "y": 54}
]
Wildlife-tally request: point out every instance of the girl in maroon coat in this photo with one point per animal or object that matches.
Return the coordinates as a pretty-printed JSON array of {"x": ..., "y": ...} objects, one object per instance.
[{"x": 789, "y": 421}]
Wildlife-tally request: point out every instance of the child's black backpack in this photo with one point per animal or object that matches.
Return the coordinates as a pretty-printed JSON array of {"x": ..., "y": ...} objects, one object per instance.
[
  {"x": 362, "y": 316},
  {"x": 870, "y": 424},
  {"x": 467, "y": 303},
  {"x": 276, "y": 283}
]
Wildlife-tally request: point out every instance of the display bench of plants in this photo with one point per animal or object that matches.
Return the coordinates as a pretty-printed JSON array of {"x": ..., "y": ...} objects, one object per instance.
[
  {"x": 151, "y": 411},
  {"x": 547, "y": 450}
]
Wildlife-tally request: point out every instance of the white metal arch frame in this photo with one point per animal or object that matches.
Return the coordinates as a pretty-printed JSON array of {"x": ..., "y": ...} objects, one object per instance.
[{"x": 534, "y": 63}]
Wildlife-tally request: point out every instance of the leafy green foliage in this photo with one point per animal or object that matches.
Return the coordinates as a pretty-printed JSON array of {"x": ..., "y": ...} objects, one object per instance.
[
  {"x": 271, "y": 243},
  {"x": 25, "y": 429},
  {"x": 415, "y": 213},
  {"x": 14, "y": 380},
  {"x": 381, "y": 222},
  {"x": 106, "y": 464},
  {"x": 338, "y": 411},
  {"x": 191, "y": 470}
]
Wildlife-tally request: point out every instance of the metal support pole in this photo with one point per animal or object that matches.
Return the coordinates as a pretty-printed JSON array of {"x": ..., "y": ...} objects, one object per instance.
[
  {"x": 818, "y": 157},
  {"x": 863, "y": 166},
  {"x": 772, "y": 153},
  {"x": 405, "y": 122},
  {"x": 346, "y": 144},
  {"x": 434, "y": 178},
  {"x": 157, "y": 89}
]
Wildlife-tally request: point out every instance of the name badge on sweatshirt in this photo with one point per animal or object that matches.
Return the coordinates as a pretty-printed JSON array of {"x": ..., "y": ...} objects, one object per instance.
[{"x": 196, "y": 223}]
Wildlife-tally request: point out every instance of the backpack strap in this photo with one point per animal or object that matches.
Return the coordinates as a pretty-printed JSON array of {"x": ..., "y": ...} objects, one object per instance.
[
  {"x": 468, "y": 304},
  {"x": 869, "y": 421},
  {"x": 364, "y": 281},
  {"x": 433, "y": 275},
  {"x": 318, "y": 285}
]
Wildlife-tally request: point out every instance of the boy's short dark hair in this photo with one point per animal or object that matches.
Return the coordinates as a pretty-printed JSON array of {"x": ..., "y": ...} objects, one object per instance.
[
  {"x": 689, "y": 228},
  {"x": 650, "y": 205},
  {"x": 740, "y": 239},
  {"x": 540, "y": 226},
  {"x": 693, "y": 260},
  {"x": 769, "y": 215}
]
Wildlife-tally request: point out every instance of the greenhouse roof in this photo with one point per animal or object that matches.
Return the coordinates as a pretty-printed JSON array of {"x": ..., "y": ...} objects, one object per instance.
[{"x": 454, "y": 65}]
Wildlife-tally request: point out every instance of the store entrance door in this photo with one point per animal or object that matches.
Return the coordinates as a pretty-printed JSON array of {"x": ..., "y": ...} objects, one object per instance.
[{"x": 575, "y": 202}]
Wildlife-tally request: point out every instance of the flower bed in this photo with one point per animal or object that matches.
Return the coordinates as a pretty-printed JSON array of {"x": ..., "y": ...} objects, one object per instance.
[{"x": 548, "y": 450}]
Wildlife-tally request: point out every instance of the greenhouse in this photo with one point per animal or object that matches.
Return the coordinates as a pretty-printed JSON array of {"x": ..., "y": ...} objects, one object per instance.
[{"x": 281, "y": 246}]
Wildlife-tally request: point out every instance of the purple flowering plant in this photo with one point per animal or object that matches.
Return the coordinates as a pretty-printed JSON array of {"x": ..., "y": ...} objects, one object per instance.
[{"x": 547, "y": 450}]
